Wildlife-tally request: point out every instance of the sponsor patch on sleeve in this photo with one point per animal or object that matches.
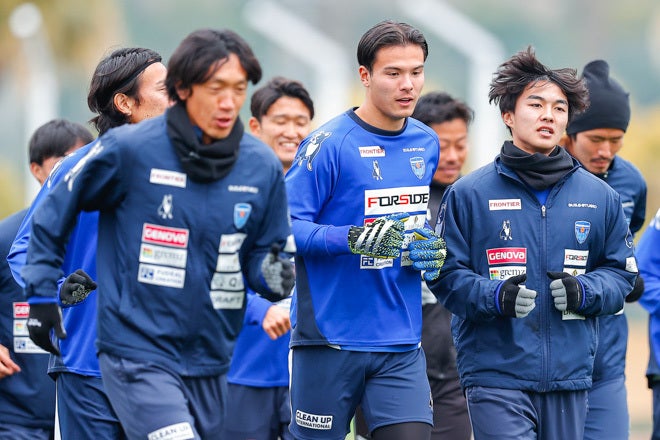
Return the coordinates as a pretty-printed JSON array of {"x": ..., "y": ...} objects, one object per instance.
[{"x": 631, "y": 265}]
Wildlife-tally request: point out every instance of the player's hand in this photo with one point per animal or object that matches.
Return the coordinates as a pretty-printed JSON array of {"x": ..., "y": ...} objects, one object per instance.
[
  {"x": 566, "y": 290},
  {"x": 7, "y": 365},
  {"x": 427, "y": 253},
  {"x": 382, "y": 238},
  {"x": 276, "y": 322},
  {"x": 43, "y": 318},
  {"x": 277, "y": 274},
  {"x": 516, "y": 301},
  {"x": 76, "y": 288}
]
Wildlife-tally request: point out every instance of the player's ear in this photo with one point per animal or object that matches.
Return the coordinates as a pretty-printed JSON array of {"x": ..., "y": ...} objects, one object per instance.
[{"x": 254, "y": 125}]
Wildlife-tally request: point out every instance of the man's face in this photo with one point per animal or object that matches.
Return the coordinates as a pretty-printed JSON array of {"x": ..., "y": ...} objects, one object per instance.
[
  {"x": 283, "y": 127},
  {"x": 393, "y": 86},
  {"x": 539, "y": 119},
  {"x": 453, "y": 150},
  {"x": 214, "y": 105},
  {"x": 595, "y": 149},
  {"x": 41, "y": 172},
  {"x": 152, "y": 93}
]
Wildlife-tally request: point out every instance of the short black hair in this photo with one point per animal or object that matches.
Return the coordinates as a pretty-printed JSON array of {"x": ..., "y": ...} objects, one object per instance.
[
  {"x": 119, "y": 72},
  {"x": 523, "y": 69},
  {"x": 55, "y": 138},
  {"x": 201, "y": 53},
  {"x": 439, "y": 107},
  {"x": 265, "y": 96},
  {"x": 385, "y": 34}
]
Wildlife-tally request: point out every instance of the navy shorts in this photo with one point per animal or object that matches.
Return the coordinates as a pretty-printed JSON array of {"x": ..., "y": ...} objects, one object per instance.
[
  {"x": 498, "y": 413},
  {"x": 154, "y": 402},
  {"x": 328, "y": 384},
  {"x": 257, "y": 413},
  {"x": 83, "y": 408},
  {"x": 16, "y": 432},
  {"x": 607, "y": 415}
]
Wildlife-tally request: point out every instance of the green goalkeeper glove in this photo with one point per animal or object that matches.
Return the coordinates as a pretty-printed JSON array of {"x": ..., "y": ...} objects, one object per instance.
[{"x": 383, "y": 238}]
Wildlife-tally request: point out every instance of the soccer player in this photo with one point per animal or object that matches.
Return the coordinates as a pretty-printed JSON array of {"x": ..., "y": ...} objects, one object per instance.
[
  {"x": 538, "y": 249},
  {"x": 358, "y": 191},
  {"x": 258, "y": 378},
  {"x": 594, "y": 138},
  {"x": 190, "y": 207},
  {"x": 27, "y": 394},
  {"x": 127, "y": 87}
]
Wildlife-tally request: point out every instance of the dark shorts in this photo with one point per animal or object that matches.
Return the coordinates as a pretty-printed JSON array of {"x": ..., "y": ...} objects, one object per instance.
[
  {"x": 153, "y": 402},
  {"x": 257, "y": 413},
  {"x": 498, "y": 413},
  {"x": 328, "y": 384},
  {"x": 607, "y": 416},
  {"x": 84, "y": 410}
]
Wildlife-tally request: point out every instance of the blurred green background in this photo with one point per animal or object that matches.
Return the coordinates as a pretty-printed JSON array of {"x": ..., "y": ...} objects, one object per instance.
[{"x": 46, "y": 65}]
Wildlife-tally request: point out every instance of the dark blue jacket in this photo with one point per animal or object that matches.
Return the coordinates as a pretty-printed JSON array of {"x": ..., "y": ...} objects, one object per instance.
[
  {"x": 626, "y": 180},
  {"x": 172, "y": 252},
  {"x": 495, "y": 227},
  {"x": 27, "y": 398}
]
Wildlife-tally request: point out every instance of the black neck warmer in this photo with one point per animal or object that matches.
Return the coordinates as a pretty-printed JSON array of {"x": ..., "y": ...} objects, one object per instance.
[
  {"x": 537, "y": 170},
  {"x": 202, "y": 163}
]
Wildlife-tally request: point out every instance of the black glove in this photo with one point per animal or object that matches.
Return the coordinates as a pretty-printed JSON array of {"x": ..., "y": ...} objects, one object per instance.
[
  {"x": 43, "y": 318},
  {"x": 76, "y": 288},
  {"x": 566, "y": 291},
  {"x": 637, "y": 291},
  {"x": 277, "y": 274},
  {"x": 382, "y": 238},
  {"x": 516, "y": 301}
]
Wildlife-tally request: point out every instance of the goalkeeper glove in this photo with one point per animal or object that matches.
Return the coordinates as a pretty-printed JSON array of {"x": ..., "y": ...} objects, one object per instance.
[
  {"x": 277, "y": 274},
  {"x": 77, "y": 286},
  {"x": 382, "y": 238},
  {"x": 516, "y": 301},
  {"x": 43, "y": 318},
  {"x": 567, "y": 291},
  {"x": 428, "y": 253}
]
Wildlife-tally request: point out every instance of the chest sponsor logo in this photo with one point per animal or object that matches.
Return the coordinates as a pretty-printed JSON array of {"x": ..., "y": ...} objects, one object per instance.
[
  {"x": 375, "y": 263},
  {"x": 167, "y": 177},
  {"x": 178, "y": 431},
  {"x": 25, "y": 345},
  {"x": 243, "y": 188},
  {"x": 574, "y": 257},
  {"x": 570, "y": 316},
  {"x": 313, "y": 421},
  {"x": 575, "y": 271},
  {"x": 156, "y": 234},
  {"x": 504, "y": 204},
  {"x": 227, "y": 281},
  {"x": 506, "y": 272},
  {"x": 227, "y": 300},
  {"x": 230, "y": 243},
  {"x": 418, "y": 165},
  {"x": 228, "y": 263},
  {"x": 583, "y": 205},
  {"x": 162, "y": 255},
  {"x": 582, "y": 229},
  {"x": 161, "y": 276},
  {"x": 21, "y": 310},
  {"x": 372, "y": 151},
  {"x": 20, "y": 327},
  {"x": 507, "y": 255},
  {"x": 393, "y": 200}
]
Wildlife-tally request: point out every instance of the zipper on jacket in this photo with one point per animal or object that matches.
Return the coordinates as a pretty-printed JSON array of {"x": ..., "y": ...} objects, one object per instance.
[{"x": 542, "y": 298}]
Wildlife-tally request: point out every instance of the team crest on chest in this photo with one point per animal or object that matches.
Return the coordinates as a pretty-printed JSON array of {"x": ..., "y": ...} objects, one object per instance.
[
  {"x": 241, "y": 214},
  {"x": 418, "y": 166},
  {"x": 582, "y": 229}
]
